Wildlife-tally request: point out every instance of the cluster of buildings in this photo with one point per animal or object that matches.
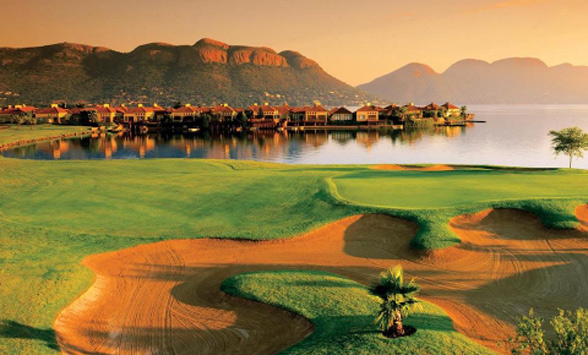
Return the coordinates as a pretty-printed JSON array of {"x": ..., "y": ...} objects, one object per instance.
[{"x": 257, "y": 116}]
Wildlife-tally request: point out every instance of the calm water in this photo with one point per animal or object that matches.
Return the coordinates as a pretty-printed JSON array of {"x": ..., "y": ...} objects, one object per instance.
[{"x": 513, "y": 135}]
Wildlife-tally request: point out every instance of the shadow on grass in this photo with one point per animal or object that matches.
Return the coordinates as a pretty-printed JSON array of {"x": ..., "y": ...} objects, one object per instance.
[{"x": 10, "y": 329}]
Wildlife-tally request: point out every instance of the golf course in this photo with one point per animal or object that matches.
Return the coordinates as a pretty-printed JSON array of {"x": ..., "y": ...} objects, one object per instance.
[{"x": 162, "y": 256}]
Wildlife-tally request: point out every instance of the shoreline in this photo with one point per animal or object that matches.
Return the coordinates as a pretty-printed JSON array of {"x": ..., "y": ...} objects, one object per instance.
[{"x": 25, "y": 142}]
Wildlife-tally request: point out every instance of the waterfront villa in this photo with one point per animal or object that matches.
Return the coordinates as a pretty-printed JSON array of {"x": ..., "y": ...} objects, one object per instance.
[
  {"x": 368, "y": 113},
  {"x": 139, "y": 114},
  {"x": 451, "y": 110},
  {"x": 53, "y": 114},
  {"x": 105, "y": 113},
  {"x": 341, "y": 114}
]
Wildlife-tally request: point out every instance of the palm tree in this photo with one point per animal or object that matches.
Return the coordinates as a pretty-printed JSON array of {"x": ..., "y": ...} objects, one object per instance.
[
  {"x": 398, "y": 300},
  {"x": 464, "y": 111}
]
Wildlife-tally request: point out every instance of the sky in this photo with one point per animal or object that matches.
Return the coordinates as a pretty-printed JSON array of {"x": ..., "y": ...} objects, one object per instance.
[{"x": 355, "y": 41}]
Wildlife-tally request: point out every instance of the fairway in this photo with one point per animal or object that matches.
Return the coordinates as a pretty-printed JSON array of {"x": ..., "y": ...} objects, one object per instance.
[
  {"x": 435, "y": 189},
  {"x": 23, "y": 133},
  {"x": 55, "y": 213}
]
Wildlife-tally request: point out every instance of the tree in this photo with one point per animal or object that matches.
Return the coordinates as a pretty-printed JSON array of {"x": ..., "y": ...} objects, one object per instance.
[
  {"x": 569, "y": 141},
  {"x": 398, "y": 300},
  {"x": 21, "y": 118},
  {"x": 242, "y": 119},
  {"x": 570, "y": 331},
  {"x": 464, "y": 111}
]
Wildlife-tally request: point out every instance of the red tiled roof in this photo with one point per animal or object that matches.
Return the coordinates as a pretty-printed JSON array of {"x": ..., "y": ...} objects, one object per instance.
[
  {"x": 412, "y": 108},
  {"x": 340, "y": 110},
  {"x": 449, "y": 106},
  {"x": 431, "y": 107},
  {"x": 51, "y": 110},
  {"x": 367, "y": 109},
  {"x": 224, "y": 109}
]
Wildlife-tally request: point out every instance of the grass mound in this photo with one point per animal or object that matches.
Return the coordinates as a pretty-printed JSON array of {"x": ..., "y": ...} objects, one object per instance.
[{"x": 343, "y": 314}]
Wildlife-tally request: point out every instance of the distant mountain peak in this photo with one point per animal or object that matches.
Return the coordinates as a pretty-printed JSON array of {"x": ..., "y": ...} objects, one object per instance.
[
  {"x": 517, "y": 80},
  {"x": 211, "y": 42},
  {"x": 207, "y": 72},
  {"x": 418, "y": 69}
]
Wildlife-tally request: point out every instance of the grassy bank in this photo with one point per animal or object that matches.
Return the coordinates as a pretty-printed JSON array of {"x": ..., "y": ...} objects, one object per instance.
[
  {"x": 343, "y": 312},
  {"x": 15, "y": 133},
  {"x": 53, "y": 213}
]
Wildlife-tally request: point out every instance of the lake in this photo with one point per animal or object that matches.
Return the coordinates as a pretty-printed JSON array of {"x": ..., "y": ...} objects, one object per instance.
[{"x": 513, "y": 135}]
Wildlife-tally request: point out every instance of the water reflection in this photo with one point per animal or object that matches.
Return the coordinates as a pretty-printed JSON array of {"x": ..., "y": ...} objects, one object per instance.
[{"x": 271, "y": 145}]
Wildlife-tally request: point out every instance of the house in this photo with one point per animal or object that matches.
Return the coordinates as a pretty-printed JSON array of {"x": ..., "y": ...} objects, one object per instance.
[
  {"x": 368, "y": 113},
  {"x": 451, "y": 110},
  {"x": 12, "y": 111},
  {"x": 284, "y": 112},
  {"x": 410, "y": 110},
  {"x": 53, "y": 114},
  {"x": 181, "y": 113},
  {"x": 316, "y": 114},
  {"x": 341, "y": 114},
  {"x": 432, "y": 107},
  {"x": 269, "y": 112},
  {"x": 159, "y": 112},
  {"x": 224, "y": 112},
  {"x": 106, "y": 114},
  {"x": 139, "y": 114},
  {"x": 431, "y": 110}
]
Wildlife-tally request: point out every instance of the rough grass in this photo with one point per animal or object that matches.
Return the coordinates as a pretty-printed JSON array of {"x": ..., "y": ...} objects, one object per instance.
[
  {"x": 53, "y": 213},
  {"x": 343, "y": 313},
  {"x": 15, "y": 133}
]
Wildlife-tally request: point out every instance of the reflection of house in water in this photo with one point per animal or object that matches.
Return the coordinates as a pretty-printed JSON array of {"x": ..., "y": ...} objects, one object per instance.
[
  {"x": 53, "y": 148},
  {"x": 60, "y": 147},
  {"x": 109, "y": 146},
  {"x": 141, "y": 144},
  {"x": 316, "y": 138},
  {"x": 342, "y": 136},
  {"x": 368, "y": 138}
]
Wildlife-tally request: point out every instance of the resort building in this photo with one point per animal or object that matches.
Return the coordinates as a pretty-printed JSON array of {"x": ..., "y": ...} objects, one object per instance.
[
  {"x": 139, "y": 114},
  {"x": 451, "y": 110},
  {"x": 105, "y": 113},
  {"x": 53, "y": 114},
  {"x": 410, "y": 110},
  {"x": 368, "y": 113},
  {"x": 224, "y": 112},
  {"x": 341, "y": 114}
]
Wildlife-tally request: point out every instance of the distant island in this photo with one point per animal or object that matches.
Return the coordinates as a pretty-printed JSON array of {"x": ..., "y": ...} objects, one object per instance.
[
  {"x": 208, "y": 73},
  {"x": 507, "y": 81}
]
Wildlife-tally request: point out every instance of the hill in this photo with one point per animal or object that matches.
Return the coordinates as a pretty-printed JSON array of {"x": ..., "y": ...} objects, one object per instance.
[
  {"x": 207, "y": 72},
  {"x": 507, "y": 81}
]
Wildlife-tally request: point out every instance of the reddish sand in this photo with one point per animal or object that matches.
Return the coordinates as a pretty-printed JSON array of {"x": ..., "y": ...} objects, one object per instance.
[
  {"x": 164, "y": 298},
  {"x": 408, "y": 167}
]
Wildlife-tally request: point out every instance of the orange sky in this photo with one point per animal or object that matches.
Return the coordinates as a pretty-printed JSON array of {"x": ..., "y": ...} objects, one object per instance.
[{"x": 355, "y": 41}]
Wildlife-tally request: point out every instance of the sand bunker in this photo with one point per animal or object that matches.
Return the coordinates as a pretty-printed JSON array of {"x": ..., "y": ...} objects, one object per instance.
[
  {"x": 164, "y": 298},
  {"x": 416, "y": 168}
]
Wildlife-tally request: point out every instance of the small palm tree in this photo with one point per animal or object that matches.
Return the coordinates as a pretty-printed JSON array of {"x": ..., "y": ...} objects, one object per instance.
[
  {"x": 464, "y": 111},
  {"x": 398, "y": 300}
]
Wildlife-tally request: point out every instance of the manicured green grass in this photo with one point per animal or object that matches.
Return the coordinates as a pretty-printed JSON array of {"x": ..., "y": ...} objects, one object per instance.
[
  {"x": 435, "y": 189},
  {"x": 53, "y": 213},
  {"x": 15, "y": 133},
  {"x": 343, "y": 314}
]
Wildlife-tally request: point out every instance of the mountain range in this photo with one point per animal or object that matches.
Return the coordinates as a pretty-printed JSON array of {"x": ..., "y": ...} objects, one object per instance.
[
  {"x": 470, "y": 81},
  {"x": 208, "y": 72}
]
